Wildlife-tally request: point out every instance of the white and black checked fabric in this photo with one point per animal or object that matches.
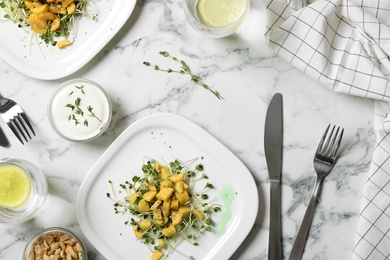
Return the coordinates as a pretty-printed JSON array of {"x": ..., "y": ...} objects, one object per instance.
[{"x": 345, "y": 46}]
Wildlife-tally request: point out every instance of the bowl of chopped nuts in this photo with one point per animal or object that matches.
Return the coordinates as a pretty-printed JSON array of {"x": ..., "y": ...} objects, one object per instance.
[{"x": 55, "y": 243}]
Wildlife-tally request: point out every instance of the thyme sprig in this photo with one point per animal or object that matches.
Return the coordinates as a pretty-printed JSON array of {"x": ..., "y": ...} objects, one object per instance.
[
  {"x": 77, "y": 111},
  {"x": 184, "y": 70}
]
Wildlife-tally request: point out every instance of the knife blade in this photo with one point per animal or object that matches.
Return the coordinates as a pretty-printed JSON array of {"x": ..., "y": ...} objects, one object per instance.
[
  {"x": 273, "y": 147},
  {"x": 3, "y": 139}
]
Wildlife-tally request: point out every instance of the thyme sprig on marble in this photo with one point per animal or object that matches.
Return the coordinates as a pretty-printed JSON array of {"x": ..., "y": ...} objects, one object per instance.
[
  {"x": 77, "y": 111},
  {"x": 184, "y": 70}
]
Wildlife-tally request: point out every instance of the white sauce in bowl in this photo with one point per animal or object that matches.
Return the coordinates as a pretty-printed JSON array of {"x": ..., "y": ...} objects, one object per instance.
[{"x": 79, "y": 110}]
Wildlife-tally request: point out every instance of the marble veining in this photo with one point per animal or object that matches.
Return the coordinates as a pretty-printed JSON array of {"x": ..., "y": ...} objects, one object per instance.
[{"x": 247, "y": 74}]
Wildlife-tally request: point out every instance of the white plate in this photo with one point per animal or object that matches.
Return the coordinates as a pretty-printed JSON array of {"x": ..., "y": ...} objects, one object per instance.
[
  {"x": 164, "y": 137},
  {"x": 21, "y": 50}
]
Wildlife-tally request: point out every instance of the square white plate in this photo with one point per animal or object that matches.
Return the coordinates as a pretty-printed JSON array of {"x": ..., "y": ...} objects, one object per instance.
[
  {"x": 21, "y": 49},
  {"x": 165, "y": 137}
]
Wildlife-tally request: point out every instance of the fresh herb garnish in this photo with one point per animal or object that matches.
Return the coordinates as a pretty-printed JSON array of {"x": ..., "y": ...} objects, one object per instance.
[
  {"x": 161, "y": 221},
  {"x": 184, "y": 70},
  {"x": 92, "y": 114},
  {"x": 77, "y": 111}
]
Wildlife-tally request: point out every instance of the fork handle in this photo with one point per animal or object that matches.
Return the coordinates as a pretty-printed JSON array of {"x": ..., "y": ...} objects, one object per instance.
[{"x": 300, "y": 240}]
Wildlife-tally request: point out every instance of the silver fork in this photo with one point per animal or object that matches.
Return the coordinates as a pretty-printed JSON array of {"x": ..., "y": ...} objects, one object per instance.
[
  {"x": 15, "y": 118},
  {"x": 324, "y": 160}
]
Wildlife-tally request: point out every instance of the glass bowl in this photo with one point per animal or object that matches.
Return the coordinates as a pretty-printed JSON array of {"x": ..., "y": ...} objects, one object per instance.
[
  {"x": 79, "y": 110},
  {"x": 194, "y": 17},
  {"x": 36, "y": 199},
  {"x": 57, "y": 241}
]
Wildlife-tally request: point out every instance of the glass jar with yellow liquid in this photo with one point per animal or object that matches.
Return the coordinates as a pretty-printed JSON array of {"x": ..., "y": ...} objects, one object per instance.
[
  {"x": 23, "y": 190},
  {"x": 216, "y": 18}
]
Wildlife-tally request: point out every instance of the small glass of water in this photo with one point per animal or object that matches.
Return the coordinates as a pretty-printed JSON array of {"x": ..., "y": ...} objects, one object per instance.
[
  {"x": 216, "y": 18},
  {"x": 36, "y": 197}
]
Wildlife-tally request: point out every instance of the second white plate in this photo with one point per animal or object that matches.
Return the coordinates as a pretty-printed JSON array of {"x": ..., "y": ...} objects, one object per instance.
[
  {"x": 21, "y": 49},
  {"x": 164, "y": 137}
]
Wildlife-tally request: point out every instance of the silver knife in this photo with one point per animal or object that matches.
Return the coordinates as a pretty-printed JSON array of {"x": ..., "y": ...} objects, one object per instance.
[
  {"x": 273, "y": 146},
  {"x": 3, "y": 139}
]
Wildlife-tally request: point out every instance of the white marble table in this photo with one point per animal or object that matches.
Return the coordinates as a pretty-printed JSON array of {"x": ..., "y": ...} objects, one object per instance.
[{"x": 247, "y": 74}]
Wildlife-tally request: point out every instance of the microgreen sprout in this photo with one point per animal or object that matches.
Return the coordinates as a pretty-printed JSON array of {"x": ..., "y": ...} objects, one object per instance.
[
  {"x": 204, "y": 196},
  {"x": 209, "y": 185},
  {"x": 112, "y": 188},
  {"x": 184, "y": 70},
  {"x": 199, "y": 167}
]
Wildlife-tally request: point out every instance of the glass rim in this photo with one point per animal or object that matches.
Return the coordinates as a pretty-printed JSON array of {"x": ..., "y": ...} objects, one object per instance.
[
  {"x": 52, "y": 230},
  {"x": 228, "y": 26},
  {"x": 103, "y": 129},
  {"x": 40, "y": 188}
]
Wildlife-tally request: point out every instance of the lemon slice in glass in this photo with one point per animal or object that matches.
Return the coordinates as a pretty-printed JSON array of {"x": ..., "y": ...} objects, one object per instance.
[
  {"x": 218, "y": 13},
  {"x": 15, "y": 186}
]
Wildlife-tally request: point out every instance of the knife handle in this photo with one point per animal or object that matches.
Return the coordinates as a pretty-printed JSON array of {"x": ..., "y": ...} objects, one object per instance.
[{"x": 275, "y": 239}]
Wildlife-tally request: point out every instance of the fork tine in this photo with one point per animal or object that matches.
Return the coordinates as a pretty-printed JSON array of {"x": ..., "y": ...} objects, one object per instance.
[
  {"x": 16, "y": 119},
  {"x": 27, "y": 122},
  {"x": 337, "y": 146},
  {"x": 331, "y": 141},
  {"x": 13, "y": 129},
  {"x": 17, "y": 124},
  {"x": 328, "y": 143},
  {"x": 20, "y": 120},
  {"x": 321, "y": 144}
]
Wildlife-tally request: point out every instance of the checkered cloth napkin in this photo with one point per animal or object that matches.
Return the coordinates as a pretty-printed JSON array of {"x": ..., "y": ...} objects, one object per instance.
[{"x": 345, "y": 46}]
